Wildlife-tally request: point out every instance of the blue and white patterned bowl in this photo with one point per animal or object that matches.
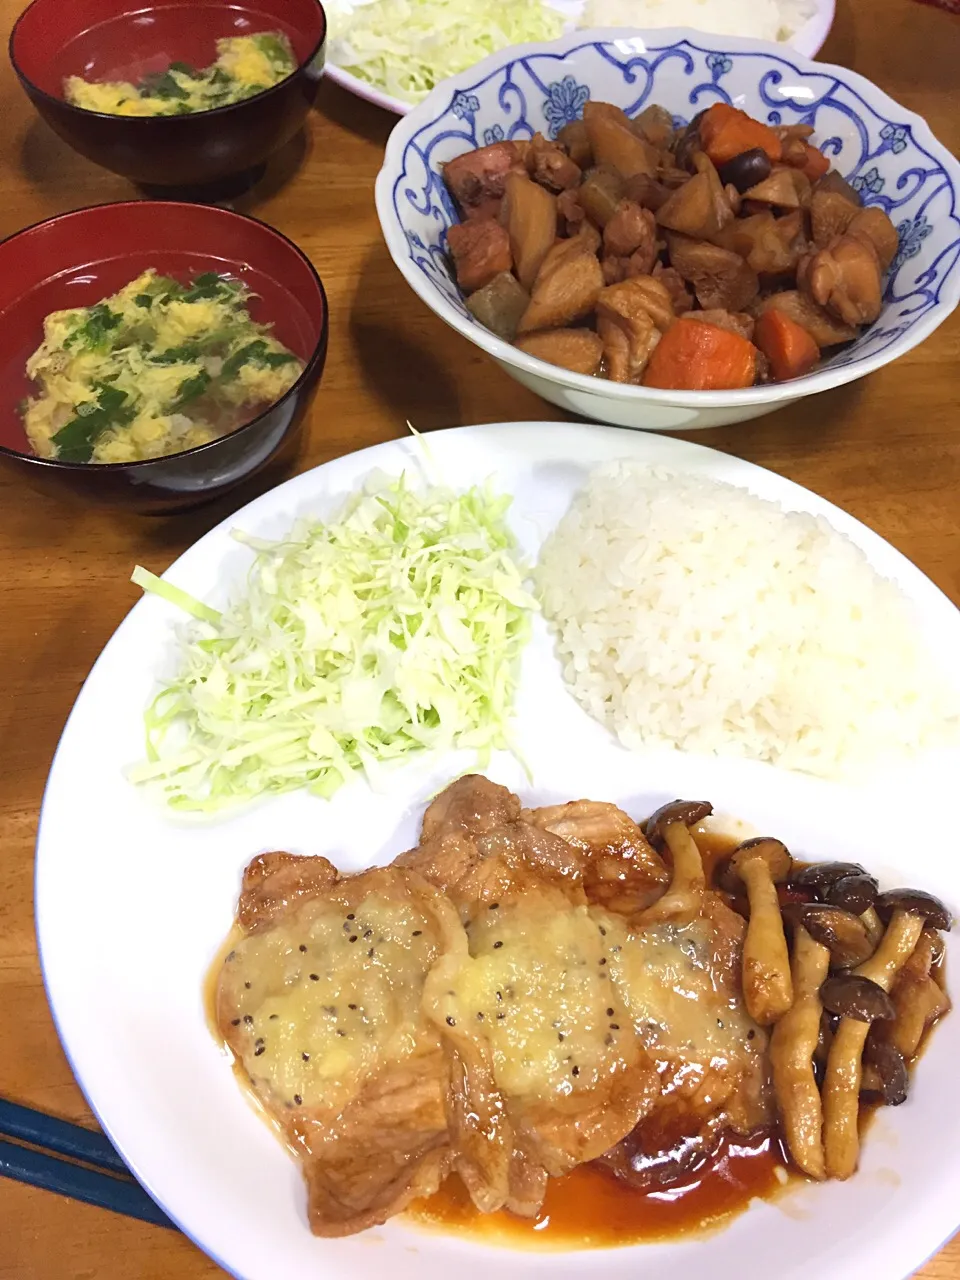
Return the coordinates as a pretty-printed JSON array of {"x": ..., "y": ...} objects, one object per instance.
[{"x": 888, "y": 154}]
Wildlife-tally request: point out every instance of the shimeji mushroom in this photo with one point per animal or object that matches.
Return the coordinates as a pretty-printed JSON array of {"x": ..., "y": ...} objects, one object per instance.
[
  {"x": 908, "y": 913},
  {"x": 668, "y": 829},
  {"x": 917, "y": 997},
  {"x": 844, "y": 934},
  {"x": 792, "y": 1047},
  {"x": 885, "y": 1074},
  {"x": 851, "y": 995},
  {"x": 760, "y": 865}
]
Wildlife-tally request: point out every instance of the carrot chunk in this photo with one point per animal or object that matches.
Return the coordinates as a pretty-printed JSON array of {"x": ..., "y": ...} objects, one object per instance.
[
  {"x": 816, "y": 165},
  {"x": 790, "y": 349},
  {"x": 726, "y": 132},
  {"x": 693, "y": 356}
]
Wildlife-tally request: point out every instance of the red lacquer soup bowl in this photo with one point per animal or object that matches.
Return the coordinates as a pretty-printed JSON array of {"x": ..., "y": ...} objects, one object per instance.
[
  {"x": 79, "y": 258},
  {"x": 110, "y": 40}
]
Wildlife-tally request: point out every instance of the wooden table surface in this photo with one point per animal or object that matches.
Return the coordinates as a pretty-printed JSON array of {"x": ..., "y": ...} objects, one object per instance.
[{"x": 887, "y": 449}]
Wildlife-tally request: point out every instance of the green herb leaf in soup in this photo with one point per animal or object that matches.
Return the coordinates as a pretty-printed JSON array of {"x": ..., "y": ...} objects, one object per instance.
[{"x": 245, "y": 66}]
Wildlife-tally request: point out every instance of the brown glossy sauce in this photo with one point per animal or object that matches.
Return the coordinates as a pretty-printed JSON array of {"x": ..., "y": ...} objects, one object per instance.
[
  {"x": 589, "y": 1207},
  {"x": 715, "y": 847}
]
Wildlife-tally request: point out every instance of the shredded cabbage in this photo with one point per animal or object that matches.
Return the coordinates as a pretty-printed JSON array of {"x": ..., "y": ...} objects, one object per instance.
[
  {"x": 394, "y": 628},
  {"x": 405, "y": 47}
]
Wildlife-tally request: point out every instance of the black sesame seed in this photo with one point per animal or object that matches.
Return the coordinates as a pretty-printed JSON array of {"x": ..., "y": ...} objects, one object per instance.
[
  {"x": 247, "y": 985},
  {"x": 341, "y": 1033},
  {"x": 247, "y": 1019},
  {"x": 274, "y": 1017},
  {"x": 331, "y": 1009},
  {"x": 352, "y": 1008},
  {"x": 297, "y": 1099},
  {"x": 561, "y": 1037},
  {"x": 500, "y": 1016},
  {"x": 353, "y": 937},
  {"x": 314, "y": 977},
  {"x": 614, "y": 950},
  {"x": 451, "y": 1022},
  {"x": 603, "y": 959},
  {"x": 497, "y": 945},
  {"x": 417, "y": 933},
  {"x": 303, "y": 946},
  {"x": 351, "y": 916},
  {"x": 608, "y": 1039},
  {"x": 259, "y": 1040},
  {"x": 603, "y": 932},
  {"x": 368, "y": 933},
  {"x": 575, "y": 1071},
  {"x": 609, "y": 1013},
  {"x": 751, "y": 1034},
  {"x": 494, "y": 906},
  {"x": 614, "y": 1026},
  {"x": 257, "y": 1052},
  {"x": 370, "y": 953},
  {"x": 305, "y": 1057},
  {"x": 479, "y": 1017},
  {"x": 499, "y": 996},
  {"x": 231, "y": 956},
  {"x": 235, "y": 1022}
]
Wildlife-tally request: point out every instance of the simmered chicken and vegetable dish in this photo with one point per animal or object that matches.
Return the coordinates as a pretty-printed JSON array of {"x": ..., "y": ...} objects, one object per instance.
[
  {"x": 711, "y": 257},
  {"x": 245, "y": 65},
  {"x": 156, "y": 368},
  {"x": 530, "y": 990}
]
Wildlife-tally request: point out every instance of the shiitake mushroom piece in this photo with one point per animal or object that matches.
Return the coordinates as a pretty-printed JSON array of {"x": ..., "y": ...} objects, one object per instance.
[
  {"x": 746, "y": 170},
  {"x": 688, "y": 143}
]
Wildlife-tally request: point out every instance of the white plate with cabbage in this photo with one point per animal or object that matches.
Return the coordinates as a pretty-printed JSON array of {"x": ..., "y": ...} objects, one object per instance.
[
  {"x": 393, "y": 52},
  {"x": 136, "y": 891}
]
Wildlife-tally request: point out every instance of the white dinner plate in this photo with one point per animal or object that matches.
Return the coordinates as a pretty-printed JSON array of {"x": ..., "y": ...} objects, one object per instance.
[
  {"x": 132, "y": 907},
  {"x": 807, "y": 39}
]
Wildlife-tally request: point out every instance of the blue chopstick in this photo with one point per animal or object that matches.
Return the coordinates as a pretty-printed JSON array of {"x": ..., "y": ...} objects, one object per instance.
[
  {"x": 60, "y": 1136},
  {"x": 121, "y": 1194}
]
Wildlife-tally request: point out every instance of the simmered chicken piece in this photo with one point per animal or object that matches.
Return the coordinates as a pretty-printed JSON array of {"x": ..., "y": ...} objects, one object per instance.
[
  {"x": 321, "y": 1004},
  {"x": 733, "y": 217}
]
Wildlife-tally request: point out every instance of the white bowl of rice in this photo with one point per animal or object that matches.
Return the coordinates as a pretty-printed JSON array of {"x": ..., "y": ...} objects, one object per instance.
[{"x": 394, "y": 52}]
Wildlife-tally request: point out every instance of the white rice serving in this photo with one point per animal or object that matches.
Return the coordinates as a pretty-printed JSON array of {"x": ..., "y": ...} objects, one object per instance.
[
  {"x": 760, "y": 19},
  {"x": 689, "y": 612}
]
